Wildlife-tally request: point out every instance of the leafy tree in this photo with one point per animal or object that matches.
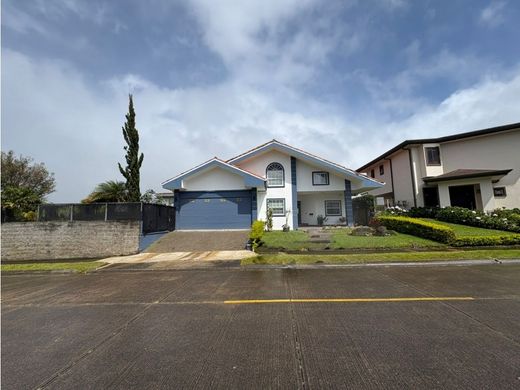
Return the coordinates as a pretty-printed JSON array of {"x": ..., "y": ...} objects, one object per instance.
[
  {"x": 24, "y": 186},
  {"x": 133, "y": 159},
  {"x": 109, "y": 191},
  {"x": 150, "y": 196}
]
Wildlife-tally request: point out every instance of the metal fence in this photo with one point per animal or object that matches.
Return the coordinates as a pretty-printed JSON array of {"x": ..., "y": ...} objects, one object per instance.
[{"x": 154, "y": 217}]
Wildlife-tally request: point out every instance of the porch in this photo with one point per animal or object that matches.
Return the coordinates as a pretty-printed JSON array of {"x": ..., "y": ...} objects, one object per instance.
[{"x": 329, "y": 208}]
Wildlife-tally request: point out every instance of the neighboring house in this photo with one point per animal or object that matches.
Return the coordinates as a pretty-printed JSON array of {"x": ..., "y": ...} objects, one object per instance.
[
  {"x": 165, "y": 198},
  {"x": 478, "y": 170},
  {"x": 297, "y": 186}
]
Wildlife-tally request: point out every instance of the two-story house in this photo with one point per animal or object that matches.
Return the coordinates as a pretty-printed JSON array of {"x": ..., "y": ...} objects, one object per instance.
[
  {"x": 478, "y": 170},
  {"x": 297, "y": 186}
]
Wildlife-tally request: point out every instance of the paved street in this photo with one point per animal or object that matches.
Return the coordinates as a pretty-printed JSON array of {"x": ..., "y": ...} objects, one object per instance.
[{"x": 175, "y": 329}]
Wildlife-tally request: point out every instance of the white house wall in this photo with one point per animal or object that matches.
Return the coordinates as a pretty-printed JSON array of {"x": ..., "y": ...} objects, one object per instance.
[
  {"x": 215, "y": 179},
  {"x": 258, "y": 165},
  {"x": 304, "y": 179},
  {"x": 313, "y": 205}
]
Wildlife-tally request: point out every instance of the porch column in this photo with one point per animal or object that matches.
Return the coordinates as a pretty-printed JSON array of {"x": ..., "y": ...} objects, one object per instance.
[
  {"x": 349, "y": 212},
  {"x": 294, "y": 194}
]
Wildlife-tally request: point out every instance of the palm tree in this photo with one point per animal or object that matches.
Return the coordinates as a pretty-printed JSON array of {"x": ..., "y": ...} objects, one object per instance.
[{"x": 109, "y": 191}]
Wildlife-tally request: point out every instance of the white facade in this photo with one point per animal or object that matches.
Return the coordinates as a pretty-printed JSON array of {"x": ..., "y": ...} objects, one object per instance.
[
  {"x": 494, "y": 150},
  {"x": 303, "y": 199},
  {"x": 214, "y": 179}
]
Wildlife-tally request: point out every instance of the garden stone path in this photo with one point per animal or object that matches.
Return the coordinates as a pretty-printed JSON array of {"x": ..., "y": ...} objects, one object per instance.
[{"x": 319, "y": 235}]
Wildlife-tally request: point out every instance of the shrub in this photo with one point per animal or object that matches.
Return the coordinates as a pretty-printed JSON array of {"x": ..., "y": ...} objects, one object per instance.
[
  {"x": 417, "y": 227},
  {"x": 257, "y": 231},
  {"x": 269, "y": 220},
  {"x": 464, "y": 216},
  {"x": 487, "y": 240},
  {"x": 423, "y": 212},
  {"x": 512, "y": 215},
  {"x": 256, "y": 234},
  {"x": 394, "y": 210}
]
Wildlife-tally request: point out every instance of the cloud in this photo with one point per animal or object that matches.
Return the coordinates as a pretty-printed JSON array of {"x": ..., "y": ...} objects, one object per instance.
[
  {"x": 53, "y": 113},
  {"x": 493, "y": 14},
  {"x": 280, "y": 42}
]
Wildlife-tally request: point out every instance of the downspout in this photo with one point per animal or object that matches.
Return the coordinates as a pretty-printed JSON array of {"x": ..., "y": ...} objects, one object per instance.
[
  {"x": 392, "y": 180},
  {"x": 414, "y": 184}
]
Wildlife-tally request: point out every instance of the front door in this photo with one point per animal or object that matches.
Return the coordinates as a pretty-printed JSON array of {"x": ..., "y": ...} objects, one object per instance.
[{"x": 463, "y": 196}]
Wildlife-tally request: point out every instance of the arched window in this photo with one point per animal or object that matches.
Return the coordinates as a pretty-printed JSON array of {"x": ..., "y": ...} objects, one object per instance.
[{"x": 275, "y": 175}]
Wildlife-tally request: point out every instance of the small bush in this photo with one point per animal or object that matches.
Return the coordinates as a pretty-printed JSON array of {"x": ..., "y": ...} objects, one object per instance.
[
  {"x": 256, "y": 233},
  {"x": 257, "y": 230},
  {"x": 487, "y": 240},
  {"x": 418, "y": 228}
]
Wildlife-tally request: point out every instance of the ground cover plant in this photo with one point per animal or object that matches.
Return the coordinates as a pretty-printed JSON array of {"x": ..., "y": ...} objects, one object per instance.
[
  {"x": 76, "y": 266},
  {"x": 361, "y": 258}
]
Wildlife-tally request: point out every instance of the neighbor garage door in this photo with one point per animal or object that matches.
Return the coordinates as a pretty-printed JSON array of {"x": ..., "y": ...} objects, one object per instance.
[{"x": 214, "y": 210}]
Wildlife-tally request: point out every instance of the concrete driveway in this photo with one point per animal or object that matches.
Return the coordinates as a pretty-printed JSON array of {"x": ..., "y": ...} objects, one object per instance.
[
  {"x": 200, "y": 241},
  {"x": 360, "y": 328}
]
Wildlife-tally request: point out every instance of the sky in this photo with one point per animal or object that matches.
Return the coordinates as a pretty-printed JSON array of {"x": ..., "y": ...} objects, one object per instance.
[{"x": 345, "y": 80}]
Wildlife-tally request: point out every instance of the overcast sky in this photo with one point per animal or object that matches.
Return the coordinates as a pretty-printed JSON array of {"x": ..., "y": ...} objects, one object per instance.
[{"x": 346, "y": 80}]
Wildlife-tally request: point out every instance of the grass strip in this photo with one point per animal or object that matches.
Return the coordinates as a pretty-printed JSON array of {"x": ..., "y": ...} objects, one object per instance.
[
  {"x": 360, "y": 258},
  {"x": 82, "y": 267}
]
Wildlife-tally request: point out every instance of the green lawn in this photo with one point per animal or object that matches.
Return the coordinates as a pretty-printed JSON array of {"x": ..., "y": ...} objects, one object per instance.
[
  {"x": 342, "y": 240},
  {"x": 293, "y": 240},
  {"x": 79, "y": 266},
  {"x": 464, "y": 230},
  {"x": 299, "y": 240},
  {"x": 283, "y": 258}
]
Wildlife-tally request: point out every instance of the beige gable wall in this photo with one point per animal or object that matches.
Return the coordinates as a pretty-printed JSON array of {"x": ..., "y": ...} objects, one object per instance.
[{"x": 495, "y": 151}]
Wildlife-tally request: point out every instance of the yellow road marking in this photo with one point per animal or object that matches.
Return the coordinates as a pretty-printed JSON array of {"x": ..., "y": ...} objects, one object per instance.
[{"x": 348, "y": 300}]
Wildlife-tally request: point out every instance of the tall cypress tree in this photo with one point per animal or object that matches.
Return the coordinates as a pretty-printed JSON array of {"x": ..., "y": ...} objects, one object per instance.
[{"x": 133, "y": 160}]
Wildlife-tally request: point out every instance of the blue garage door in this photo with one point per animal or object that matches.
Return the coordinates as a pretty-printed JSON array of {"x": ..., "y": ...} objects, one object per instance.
[{"x": 214, "y": 210}]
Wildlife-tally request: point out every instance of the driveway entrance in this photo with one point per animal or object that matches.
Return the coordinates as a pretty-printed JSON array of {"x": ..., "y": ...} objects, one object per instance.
[{"x": 200, "y": 241}]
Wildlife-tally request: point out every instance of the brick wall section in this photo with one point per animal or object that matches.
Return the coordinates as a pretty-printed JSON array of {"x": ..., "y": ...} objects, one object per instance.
[{"x": 69, "y": 240}]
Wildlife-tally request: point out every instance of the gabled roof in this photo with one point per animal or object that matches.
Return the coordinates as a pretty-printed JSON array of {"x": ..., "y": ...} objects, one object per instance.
[
  {"x": 250, "y": 179},
  {"x": 303, "y": 155},
  {"x": 466, "y": 174},
  {"x": 453, "y": 137}
]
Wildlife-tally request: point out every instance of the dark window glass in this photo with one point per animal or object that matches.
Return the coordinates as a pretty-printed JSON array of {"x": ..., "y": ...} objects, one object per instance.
[
  {"x": 381, "y": 169},
  {"x": 433, "y": 156},
  {"x": 499, "y": 192},
  {"x": 372, "y": 173}
]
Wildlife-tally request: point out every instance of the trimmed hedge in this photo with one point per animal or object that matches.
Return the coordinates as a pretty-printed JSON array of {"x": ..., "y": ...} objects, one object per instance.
[
  {"x": 486, "y": 240},
  {"x": 441, "y": 233},
  {"x": 416, "y": 227}
]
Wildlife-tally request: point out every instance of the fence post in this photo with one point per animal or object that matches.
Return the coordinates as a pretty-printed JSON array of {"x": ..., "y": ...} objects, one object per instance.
[
  {"x": 38, "y": 214},
  {"x": 106, "y": 212},
  {"x": 71, "y": 212}
]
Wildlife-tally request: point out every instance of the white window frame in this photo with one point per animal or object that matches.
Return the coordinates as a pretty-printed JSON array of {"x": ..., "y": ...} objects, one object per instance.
[
  {"x": 339, "y": 208},
  {"x": 282, "y": 170},
  {"x": 276, "y": 214}
]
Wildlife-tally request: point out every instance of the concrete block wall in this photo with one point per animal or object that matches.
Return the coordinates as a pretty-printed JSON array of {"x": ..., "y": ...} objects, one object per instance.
[{"x": 69, "y": 240}]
